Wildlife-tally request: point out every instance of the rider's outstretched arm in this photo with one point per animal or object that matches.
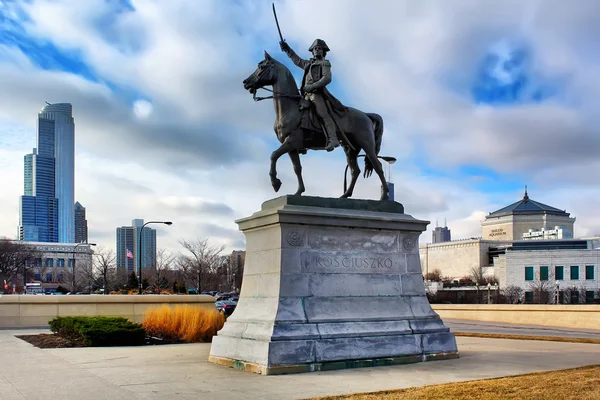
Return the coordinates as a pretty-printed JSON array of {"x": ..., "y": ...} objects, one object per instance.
[{"x": 294, "y": 57}]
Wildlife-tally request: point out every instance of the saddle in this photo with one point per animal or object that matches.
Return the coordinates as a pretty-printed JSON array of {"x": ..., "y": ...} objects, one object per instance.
[{"x": 315, "y": 136}]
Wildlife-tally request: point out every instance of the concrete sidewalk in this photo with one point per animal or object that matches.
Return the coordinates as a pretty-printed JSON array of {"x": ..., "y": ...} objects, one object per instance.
[{"x": 182, "y": 372}]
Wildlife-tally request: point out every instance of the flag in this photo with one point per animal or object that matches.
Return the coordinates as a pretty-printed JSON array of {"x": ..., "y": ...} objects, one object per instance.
[{"x": 129, "y": 254}]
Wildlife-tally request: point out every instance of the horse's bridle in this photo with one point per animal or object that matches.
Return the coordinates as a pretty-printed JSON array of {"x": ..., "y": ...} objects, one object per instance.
[{"x": 274, "y": 96}]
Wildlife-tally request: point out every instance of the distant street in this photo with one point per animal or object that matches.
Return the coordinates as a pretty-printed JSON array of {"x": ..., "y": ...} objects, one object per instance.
[{"x": 461, "y": 325}]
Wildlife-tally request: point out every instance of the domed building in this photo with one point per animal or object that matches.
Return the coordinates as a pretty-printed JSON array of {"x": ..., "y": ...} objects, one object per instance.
[
  {"x": 527, "y": 219},
  {"x": 521, "y": 244}
]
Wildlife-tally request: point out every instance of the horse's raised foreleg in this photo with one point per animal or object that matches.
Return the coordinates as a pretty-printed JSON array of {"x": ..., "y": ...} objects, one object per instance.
[
  {"x": 275, "y": 182},
  {"x": 351, "y": 159},
  {"x": 295, "y": 157}
]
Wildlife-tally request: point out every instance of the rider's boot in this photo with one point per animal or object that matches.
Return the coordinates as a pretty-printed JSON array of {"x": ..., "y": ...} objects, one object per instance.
[{"x": 330, "y": 130}]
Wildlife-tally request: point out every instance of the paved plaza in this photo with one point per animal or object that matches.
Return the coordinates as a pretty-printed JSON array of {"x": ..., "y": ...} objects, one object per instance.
[{"x": 182, "y": 371}]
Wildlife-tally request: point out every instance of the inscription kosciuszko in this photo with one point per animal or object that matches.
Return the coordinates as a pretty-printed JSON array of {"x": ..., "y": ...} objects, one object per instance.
[{"x": 352, "y": 262}]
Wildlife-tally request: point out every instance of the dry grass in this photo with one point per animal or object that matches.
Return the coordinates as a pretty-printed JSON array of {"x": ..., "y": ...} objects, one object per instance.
[
  {"x": 579, "y": 383},
  {"x": 529, "y": 337},
  {"x": 183, "y": 323}
]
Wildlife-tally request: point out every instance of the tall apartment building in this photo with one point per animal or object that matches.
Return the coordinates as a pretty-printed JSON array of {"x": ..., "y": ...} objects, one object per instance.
[
  {"x": 81, "y": 229},
  {"x": 128, "y": 246},
  {"x": 440, "y": 235},
  {"x": 47, "y": 205}
]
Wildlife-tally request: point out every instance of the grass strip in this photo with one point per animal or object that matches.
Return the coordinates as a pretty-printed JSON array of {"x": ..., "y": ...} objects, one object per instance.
[
  {"x": 576, "y": 384},
  {"x": 528, "y": 337}
]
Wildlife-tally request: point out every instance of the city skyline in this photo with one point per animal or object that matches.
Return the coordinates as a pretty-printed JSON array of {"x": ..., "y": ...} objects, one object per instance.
[{"x": 477, "y": 100}]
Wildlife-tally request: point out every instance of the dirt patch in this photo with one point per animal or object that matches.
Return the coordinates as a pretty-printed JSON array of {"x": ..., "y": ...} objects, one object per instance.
[{"x": 50, "y": 341}]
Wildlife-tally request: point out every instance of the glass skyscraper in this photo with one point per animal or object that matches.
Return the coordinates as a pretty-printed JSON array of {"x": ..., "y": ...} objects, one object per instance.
[
  {"x": 128, "y": 238},
  {"x": 46, "y": 208}
]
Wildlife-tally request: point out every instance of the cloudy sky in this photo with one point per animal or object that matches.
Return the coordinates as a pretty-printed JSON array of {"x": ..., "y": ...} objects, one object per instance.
[{"x": 478, "y": 99}]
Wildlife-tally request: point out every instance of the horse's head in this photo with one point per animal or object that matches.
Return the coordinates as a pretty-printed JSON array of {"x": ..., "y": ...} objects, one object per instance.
[{"x": 266, "y": 74}]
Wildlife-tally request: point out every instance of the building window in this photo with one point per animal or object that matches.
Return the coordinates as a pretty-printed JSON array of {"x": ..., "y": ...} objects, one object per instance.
[
  {"x": 60, "y": 262},
  {"x": 528, "y": 297},
  {"x": 60, "y": 277},
  {"x": 38, "y": 277},
  {"x": 574, "y": 272},
  {"x": 589, "y": 296},
  {"x": 48, "y": 277},
  {"x": 589, "y": 272},
  {"x": 543, "y": 273},
  {"x": 559, "y": 273},
  {"x": 528, "y": 273}
]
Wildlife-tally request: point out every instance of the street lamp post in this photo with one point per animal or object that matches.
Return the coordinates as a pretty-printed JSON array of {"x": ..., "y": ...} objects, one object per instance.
[
  {"x": 140, "y": 250},
  {"x": 557, "y": 293},
  {"x": 489, "y": 286},
  {"x": 74, "y": 250}
]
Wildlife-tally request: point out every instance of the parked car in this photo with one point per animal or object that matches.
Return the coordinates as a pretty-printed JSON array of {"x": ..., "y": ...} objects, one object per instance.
[{"x": 226, "y": 306}]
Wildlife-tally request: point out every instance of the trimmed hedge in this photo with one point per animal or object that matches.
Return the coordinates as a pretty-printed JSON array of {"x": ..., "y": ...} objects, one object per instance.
[{"x": 99, "y": 331}]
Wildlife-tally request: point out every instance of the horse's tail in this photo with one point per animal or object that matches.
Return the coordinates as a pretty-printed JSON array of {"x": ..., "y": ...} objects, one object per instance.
[{"x": 378, "y": 130}]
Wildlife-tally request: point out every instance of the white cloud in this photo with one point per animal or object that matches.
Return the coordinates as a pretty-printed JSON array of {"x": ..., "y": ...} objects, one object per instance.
[
  {"x": 202, "y": 140},
  {"x": 142, "y": 109}
]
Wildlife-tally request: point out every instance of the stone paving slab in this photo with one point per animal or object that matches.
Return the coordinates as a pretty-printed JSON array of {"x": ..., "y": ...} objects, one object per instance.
[{"x": 182, "y": 371}]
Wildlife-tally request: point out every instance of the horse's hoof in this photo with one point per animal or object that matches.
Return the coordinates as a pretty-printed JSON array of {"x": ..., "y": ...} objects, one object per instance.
[
  {"x": 384, "y": 197},
  {"x": 299, "y": 193},
  {"x": 276, "y": 185},
  {"x": 345, "y": 196}
]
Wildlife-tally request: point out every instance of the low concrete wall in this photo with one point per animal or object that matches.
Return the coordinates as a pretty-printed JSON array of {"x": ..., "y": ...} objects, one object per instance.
[
  {"x": 23, "y": 311},
  {"x": 568, "y": 316}
]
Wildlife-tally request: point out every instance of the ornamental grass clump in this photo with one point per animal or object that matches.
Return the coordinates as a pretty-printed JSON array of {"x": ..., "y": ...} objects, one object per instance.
[{"x": 183, "y": 323}]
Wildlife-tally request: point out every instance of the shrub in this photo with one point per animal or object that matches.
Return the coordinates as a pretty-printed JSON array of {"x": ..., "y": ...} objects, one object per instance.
[
  {"x": 99, "y": 331},
  {"x": 183, "y": 323}
]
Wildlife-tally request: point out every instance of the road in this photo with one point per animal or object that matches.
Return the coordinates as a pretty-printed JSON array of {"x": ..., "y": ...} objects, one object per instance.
[{"x": 459, "y": 325}]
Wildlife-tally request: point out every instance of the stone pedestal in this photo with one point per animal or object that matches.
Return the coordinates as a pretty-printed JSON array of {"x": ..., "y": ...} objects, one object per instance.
[{"x": 328, "y": 284}]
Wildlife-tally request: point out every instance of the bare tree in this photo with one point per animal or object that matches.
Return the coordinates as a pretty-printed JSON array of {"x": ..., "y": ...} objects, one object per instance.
[
  {"x": 476, "y": 275},
  {"x": 543, "y": 290},
  {"x": 104, "y": 266},
  {"x": 513, "y": 294},
  {"x": 434, "y": 276},
  {"x": 200, "y": 259},
  {"x": 16, "y": 258},
  {"x": 159, "y": 274}
]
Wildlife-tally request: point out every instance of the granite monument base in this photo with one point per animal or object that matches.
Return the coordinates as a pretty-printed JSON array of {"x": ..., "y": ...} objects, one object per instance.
[{"x": 329, "y": 284}]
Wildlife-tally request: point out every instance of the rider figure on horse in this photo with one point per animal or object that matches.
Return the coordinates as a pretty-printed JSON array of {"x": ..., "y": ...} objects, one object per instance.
[{"x": 317, "y": 75}]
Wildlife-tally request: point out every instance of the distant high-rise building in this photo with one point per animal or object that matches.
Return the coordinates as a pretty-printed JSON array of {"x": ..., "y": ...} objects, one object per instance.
[
  {"x": 46, "y": 207},
  {"x": 440, "y": 234},
  {"x": 81, "y": 229},
  {"x": 128, "y": 246}
]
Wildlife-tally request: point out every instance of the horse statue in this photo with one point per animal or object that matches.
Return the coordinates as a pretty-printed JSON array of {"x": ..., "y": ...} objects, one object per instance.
[{"x": 358, "y": 130}]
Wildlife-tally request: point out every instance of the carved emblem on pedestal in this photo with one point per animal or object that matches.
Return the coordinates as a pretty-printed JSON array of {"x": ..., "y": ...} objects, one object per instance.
[
  {"x": 408, "y": 243},
  {"x": 294, "y": 238}
]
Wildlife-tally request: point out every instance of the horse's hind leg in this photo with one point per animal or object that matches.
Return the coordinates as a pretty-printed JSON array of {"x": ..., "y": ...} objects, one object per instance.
[
  {"x": 295, "y": 157},
  {"x": 351, "y": 158},
  {"x": 370, "y": 152}
]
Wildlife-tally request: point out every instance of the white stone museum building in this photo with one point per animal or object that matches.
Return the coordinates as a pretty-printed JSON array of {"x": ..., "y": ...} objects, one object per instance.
[{"x": 521, "y": 244}]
